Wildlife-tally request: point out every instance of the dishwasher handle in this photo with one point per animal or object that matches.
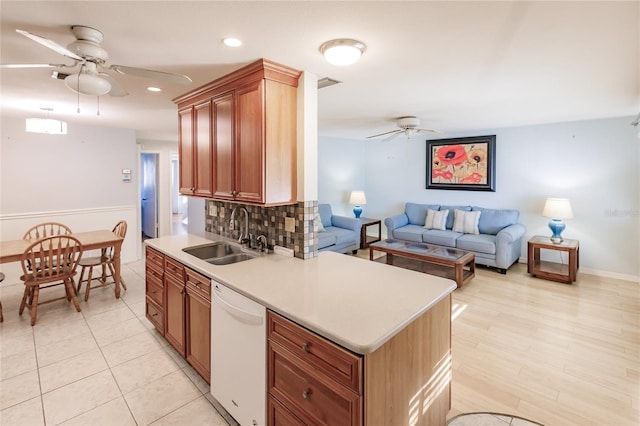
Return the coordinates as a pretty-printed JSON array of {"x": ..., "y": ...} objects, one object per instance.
[{"x": 241, "y": 314}]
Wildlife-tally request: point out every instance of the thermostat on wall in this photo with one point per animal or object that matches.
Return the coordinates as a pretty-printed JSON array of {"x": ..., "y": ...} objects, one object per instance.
[{"x": 126, "y": 175}]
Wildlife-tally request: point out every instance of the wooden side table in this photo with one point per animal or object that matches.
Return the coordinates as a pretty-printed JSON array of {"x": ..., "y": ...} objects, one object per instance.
[
  {"x": 561, "y": 272},
  {"x": 365, "y": 239}
]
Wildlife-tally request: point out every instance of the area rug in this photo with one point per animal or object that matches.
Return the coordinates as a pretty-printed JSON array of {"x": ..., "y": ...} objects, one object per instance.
[{"x": 490, "y": 419}]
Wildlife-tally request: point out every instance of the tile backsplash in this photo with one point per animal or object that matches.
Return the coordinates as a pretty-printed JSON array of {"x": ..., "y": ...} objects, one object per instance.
[{"x": 270, "y": 222}]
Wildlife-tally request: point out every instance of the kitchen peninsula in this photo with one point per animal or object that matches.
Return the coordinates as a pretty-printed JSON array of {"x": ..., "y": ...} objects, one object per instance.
[{"x": 394, "y": 324}]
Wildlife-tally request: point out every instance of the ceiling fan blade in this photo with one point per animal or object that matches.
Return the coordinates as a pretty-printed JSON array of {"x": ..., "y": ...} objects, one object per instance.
[
  {"x": 158, "y": 75},
  {"x": 50, "y": 44},
  {"x": 116, "y": 88},
  {"x": 388, "y": 138},
  {"x": 385, "y": 133},
  {"x": 429, "y": 131}
]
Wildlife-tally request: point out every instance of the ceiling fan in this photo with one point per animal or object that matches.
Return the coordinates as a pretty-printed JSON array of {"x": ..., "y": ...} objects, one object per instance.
[
  {"x": 90, "y": 57},
  {"x": 407, "y": 126}
]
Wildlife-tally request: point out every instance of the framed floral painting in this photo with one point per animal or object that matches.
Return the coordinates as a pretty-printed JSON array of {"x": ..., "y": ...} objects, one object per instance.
[{"x": 467, "y": 164}]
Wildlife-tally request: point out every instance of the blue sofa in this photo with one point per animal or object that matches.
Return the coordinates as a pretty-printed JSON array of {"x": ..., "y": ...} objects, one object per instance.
[
  {"x": 340, "y": 233},
  {"x": 498, "y": 243}
]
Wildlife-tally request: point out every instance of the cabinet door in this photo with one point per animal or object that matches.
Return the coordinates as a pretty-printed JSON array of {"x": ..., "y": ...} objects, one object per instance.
[
  {"x": 223, "y": 154},
  {"x": 174, "y": 310},
  {"x": 249, "y": 150},
  {"x": 203, "y": 150},
  {"x": 185, "y": 150},
  {"x": 198, "y": 317}
]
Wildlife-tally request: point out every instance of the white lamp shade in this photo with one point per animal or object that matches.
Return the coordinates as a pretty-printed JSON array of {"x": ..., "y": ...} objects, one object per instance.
[
  {"x": 557, "y": 208},
  {"x": 358, "y": 198}
]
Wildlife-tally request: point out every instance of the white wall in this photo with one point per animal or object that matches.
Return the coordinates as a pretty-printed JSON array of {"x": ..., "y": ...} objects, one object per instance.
[
  {"x": 593, "y": 163},
  {"x": 341, "y": 169},
  {"x": 75, "y": 179}
]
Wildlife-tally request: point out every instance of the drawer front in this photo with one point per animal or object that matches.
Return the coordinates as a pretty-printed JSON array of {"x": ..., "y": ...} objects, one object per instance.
[
  {"x": 155, "y": 289},
  {"x": 173, "y": 268},
  {"x": 199, "y": 282},
  {"x": 310, "y": 395},
  {"x": 155, "y": 315},
  {"x": 279, "y": 415},
  {"x": 151, "y": 273},
  {"x": 154, "y": 257},
  {"x": 332, "y": 360}
]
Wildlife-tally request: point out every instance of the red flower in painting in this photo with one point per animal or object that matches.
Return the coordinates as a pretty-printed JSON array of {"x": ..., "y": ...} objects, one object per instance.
[
  {"x": 451, "y": 155},
  {"x": 472, "y": 178},
  {"x": 445, "y": 174}
]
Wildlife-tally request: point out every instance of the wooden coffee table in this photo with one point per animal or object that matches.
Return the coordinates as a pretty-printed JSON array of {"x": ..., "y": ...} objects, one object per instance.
[{"x": 451, "y": 263}]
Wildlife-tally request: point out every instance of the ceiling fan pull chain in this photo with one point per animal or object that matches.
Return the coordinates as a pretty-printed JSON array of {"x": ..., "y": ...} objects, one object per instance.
[{"x": 98, "y": 99}]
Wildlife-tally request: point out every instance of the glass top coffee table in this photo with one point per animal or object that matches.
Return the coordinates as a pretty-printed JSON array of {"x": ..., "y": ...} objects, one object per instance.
[{"x": 451, "y": 263}]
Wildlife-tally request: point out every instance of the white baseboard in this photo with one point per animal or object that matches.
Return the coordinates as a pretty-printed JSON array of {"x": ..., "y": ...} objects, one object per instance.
[{"x": 600, "y": 273}]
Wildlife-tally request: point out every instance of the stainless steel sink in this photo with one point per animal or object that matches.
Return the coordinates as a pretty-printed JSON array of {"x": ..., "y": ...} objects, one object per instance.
[
  {"x": 213, "y": 250},
  {"x": 219, "y": 253},
  {"x": 232, "y": 258}
]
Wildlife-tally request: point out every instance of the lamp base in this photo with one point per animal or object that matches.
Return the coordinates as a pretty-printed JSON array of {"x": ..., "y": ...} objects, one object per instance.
[
  {"x": 357, "y": 211},
  {"x": 557, "y": 226}
]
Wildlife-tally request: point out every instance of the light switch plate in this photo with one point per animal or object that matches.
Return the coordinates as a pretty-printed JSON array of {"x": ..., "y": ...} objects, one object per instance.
[
  {"x": 289, "y": 224},
  {"x": 213, "y": 210}
]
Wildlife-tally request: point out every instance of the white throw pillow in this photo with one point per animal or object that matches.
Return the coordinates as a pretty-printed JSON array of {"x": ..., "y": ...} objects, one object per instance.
[
  {"x": 318, "y": 221},
  {"x": 466, "y": 222},
  {"x": 436, "y": 219}
]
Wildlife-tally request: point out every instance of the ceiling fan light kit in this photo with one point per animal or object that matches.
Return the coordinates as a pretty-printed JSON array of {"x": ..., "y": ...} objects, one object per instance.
[
  {"x": 342, "y": 51},
  {"x": 408, "y": 125}
]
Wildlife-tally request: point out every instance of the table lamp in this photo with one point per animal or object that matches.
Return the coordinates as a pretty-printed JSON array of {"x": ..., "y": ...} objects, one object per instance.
[
  {"x": 557, "y": 209},
  {"x": 357, "y": 198}
]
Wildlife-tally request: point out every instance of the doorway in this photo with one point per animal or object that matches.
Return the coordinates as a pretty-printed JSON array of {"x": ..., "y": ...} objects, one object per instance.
[
  {"x": 179, "y": 204},
  {"x": 149, "y": 194}
]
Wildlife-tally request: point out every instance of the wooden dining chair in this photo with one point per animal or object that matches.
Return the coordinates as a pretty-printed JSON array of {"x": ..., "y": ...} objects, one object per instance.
[
  {"x": 57, "y": 258},
  {"x": 46, "y": 229},
  {"x": 105, "y": 261}
]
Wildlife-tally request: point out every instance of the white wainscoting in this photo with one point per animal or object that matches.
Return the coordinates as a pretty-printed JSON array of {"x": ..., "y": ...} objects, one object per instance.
[{"x": 13, "y": 227}]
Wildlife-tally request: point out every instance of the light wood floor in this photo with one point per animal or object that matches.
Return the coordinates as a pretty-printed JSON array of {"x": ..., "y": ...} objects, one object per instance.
[{"x": 554, "y": 353}]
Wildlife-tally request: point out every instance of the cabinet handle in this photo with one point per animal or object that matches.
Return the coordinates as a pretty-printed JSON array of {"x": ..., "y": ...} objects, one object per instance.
[
  {"x": 182, "y": 292},
  {"x": 305, "y": 346},
  {"x": 306, "y": 394}
]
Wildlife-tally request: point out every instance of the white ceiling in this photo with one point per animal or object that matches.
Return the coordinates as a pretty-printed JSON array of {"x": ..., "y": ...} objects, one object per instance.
[{"x": 456, "y": 65}]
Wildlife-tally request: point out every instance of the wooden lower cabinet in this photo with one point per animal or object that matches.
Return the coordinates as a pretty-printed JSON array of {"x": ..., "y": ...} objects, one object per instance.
[
  {"x": 405, "y": 381},
  {"x": 178, "y": 304}
]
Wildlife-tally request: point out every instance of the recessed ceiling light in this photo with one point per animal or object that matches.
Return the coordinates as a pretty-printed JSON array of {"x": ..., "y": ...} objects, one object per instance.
[
  {"x": 342, "y": 51},
  {"x": 154, "y": 89},
  {"x": 232, "y": 42}
]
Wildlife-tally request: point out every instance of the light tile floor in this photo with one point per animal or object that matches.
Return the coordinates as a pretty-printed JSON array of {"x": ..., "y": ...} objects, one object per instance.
[{"x": 106, "y": 365}]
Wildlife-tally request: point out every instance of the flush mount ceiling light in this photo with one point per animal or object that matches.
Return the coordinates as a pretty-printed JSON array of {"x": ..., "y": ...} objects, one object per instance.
[
  {"x": 342, "y": 51},
  {"x": 232, "y": 42}
]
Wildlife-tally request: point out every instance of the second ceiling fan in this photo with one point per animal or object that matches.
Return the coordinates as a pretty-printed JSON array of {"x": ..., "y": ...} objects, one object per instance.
[{"x": 408, "y": 126}]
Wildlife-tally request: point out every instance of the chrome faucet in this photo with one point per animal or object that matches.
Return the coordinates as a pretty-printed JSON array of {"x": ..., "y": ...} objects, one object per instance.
[
  {"x": 243, "y": 236},
  {"x": 262, "y": 243}
]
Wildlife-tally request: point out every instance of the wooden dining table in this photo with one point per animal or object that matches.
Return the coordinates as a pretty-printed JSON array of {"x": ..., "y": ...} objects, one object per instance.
[{"x": 11, "y": 251}]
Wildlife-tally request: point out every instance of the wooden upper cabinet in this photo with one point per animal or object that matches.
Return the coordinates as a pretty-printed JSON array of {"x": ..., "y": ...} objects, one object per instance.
[
  {"x": 185, "y": 150},
  {"x": 223, "y": 135},
  {"x": 253, "y": 125},
  {"x": 203, "y": 147}
]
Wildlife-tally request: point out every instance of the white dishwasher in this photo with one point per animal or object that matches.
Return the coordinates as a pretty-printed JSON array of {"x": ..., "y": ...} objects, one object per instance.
[{"x": 238, "y": 355}]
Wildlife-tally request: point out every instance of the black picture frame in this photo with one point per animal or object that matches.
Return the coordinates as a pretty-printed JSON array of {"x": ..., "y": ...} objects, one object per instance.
[{"x": 462, "y": 164}]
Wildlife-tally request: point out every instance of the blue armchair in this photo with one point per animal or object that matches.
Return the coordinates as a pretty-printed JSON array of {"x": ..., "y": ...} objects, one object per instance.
[{"x": 338, "y": 233}]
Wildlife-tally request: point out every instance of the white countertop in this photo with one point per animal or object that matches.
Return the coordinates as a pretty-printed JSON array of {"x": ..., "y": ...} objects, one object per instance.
[{"x": 351, "y": 301}]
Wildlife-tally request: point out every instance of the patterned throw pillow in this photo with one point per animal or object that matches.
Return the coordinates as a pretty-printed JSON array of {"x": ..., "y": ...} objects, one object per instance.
[
  {"x": 436, "y": 219},
  {"x": 466, "y": 222},
  {"x": 318, "y": 221}
]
